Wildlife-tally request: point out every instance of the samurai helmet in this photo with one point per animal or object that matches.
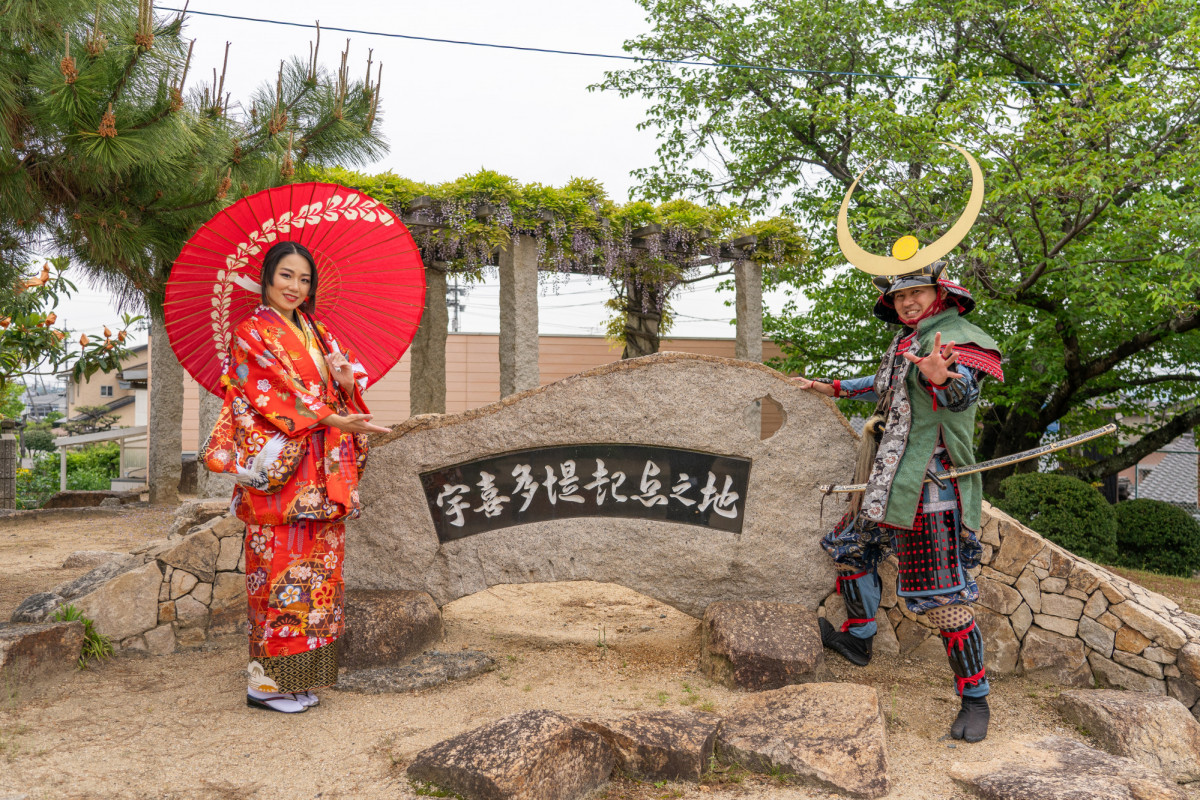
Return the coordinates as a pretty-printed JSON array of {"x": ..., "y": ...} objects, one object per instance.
[{"x": 908, "y": 258}]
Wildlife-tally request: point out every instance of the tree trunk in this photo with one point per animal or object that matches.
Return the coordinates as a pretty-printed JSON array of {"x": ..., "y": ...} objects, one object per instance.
[
  {"x": 166, "y": 415},
  {"x": 210, "y": 484},
  {"x": 643, "y": 316}
]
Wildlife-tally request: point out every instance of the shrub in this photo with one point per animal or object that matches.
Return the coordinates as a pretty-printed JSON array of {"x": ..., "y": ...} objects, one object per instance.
[
  {"x": 1157, "y": 536},
  {"x": 95, "y": 644},
  {"x": 1065, "y": 510},
  {"x": 37, "y": 439},
  {"x": 91, "y": 468}
]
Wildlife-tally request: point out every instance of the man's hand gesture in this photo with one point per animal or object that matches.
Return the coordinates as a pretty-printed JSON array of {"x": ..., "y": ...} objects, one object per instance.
[{"x": 936, "y": 367}]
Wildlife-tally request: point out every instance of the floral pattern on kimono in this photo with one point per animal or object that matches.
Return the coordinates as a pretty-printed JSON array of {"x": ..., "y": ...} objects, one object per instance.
[{"x": 295, "y": 538}]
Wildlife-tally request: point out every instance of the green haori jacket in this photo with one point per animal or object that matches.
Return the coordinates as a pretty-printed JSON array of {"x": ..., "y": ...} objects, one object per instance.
[{"x": 913, "y": 427}]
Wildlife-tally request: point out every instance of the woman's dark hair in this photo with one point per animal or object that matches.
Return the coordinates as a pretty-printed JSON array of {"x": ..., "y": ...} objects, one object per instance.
[{"x": 271, "y": 261}]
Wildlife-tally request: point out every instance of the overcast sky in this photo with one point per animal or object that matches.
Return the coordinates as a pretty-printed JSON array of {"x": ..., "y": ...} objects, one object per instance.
[{"x": 452, "y": 109}]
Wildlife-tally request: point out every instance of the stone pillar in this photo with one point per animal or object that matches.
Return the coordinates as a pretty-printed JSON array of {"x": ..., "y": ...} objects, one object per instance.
[
  {"x": 210, "y": 484},
  {"x": 9, "y": 458},
  {"x": 427, "y": 373},
  {"x": 165, "y": 438},
  {"x": 519, "y": 316},
  {"x": 747, "y": 280}
]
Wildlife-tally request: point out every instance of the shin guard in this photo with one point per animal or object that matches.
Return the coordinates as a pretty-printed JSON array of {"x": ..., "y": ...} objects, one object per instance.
[
  {"x": 964, "y": 649},
  {"x": 861, "y": 593}
]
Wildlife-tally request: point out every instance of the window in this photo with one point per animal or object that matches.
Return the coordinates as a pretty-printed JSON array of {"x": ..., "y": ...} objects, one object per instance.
[{"x": 106, "y": 391}]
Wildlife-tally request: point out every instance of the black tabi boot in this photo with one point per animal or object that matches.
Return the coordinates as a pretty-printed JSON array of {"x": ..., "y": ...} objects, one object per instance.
[
  {"x": 855, "y": 650},
  {"x": 964, "y": 649},
  {"x": 971, "y": 724}
]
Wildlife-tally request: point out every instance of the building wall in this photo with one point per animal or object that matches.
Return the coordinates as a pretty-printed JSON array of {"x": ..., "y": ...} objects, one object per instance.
[
  {"x": 87, "y": 393},
  {"x": 473, "y": 373}
]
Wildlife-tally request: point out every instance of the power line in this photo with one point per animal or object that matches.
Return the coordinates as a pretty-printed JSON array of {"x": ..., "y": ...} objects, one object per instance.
[{"x": 584, "y": 54}]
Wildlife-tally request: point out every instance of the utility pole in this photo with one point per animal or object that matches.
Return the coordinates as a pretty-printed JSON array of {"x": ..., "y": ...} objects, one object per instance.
[{"x": 454, "y": 295}]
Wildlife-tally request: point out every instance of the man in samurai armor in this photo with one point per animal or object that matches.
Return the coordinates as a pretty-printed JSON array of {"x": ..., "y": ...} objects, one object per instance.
[{"x": 925, "y": 392}]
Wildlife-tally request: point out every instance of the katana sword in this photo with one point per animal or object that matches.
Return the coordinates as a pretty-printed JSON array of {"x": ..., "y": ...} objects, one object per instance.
[{"x": 983, "y": 466}]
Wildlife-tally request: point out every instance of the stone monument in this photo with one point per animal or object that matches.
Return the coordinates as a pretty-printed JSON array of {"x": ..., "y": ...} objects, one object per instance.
[{"x": 643, "y": 472}]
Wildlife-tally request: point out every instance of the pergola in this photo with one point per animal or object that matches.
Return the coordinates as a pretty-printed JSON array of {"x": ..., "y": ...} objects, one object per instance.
[{"x": 518, "y": 265}]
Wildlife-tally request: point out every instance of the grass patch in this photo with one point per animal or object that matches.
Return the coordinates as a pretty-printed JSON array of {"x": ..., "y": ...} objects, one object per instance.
[{"x": 422, "y": 789}]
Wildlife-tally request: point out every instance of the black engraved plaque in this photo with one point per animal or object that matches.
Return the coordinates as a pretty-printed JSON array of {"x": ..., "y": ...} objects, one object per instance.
[{"x": 588, "y": 480}]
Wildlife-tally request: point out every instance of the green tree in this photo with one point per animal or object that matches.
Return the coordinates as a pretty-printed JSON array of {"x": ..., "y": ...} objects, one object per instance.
[
  {"x": 11, "y": 404},
  {"x": 30, "y": 344},
  {"x": 110, "y": 156},
  {"x": 1085, "y": 119},
  {"x": 92, "y": 419}
]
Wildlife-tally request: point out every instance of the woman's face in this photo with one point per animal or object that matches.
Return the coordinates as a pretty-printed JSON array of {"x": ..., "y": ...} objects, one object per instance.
[
  {"x": 291, "y": 284},
  {"x": 912, "y": 303}
]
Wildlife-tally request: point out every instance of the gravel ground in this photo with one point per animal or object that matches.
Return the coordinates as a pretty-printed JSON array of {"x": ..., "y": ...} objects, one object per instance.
[{"x": 177, "y": 727}]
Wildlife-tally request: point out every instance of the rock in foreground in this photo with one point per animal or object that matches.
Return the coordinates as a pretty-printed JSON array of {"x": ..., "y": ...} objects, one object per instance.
[
  {"x": 534, "y": 755},
  {"x": 1156, "y": 731},
  {"x": 1055, "y": 768},
  {"x": 426, "y": 671},
  {"x": 830, "y": 732},
  {"x": 384, "y": 628},
  {"x": 757, "y": 645},
  {"x": 660, "y": 745}
]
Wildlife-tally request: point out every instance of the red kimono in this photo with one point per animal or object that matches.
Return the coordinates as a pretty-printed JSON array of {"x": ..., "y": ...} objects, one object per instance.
[{"x": 295, "y": 538}]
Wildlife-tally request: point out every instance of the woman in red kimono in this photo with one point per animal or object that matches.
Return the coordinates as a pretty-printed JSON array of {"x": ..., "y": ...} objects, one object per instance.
[{"x": 295, "y": 398}]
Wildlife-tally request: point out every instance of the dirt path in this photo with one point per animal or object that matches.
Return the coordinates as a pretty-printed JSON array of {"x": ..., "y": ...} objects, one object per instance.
[{"x": 176, "y": 727}]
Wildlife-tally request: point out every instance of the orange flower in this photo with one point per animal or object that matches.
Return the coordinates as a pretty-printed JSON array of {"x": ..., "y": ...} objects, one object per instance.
[
  {"x": 5, "y": 322},
  {"x": 121, "y": 337},
  {"x": 60, "y": 335},
  {"x": 83, "y": 340},
  {"x": 51, "y": 318},
  {"x": 107, "y": 333}
]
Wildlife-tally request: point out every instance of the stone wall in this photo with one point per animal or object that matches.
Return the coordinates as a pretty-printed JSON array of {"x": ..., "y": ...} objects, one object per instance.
[{"x": 1051, "y": 615}]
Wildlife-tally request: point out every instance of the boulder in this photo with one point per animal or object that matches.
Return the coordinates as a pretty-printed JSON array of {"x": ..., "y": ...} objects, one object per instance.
[
  {"x": 1018, "y": 546},
  {"x": 1183, "y": 691},
  {"x": 37, "y": 607},
  {"x": 1130, "y": 641},
  {"x": 1002, "y": 648},
  {"x": 1049, "y": 657},
  {"x": 1027, "y": 584},
  {"x": 385, "y": 627},
  {"x": 755, "y": 645},
  {"x": 534, "y": 755},
  {"x": 1096, "y": 636},
  {"x": 230, "y": 554},
  {"x": 885, "y": 642},
  {"x": 998, "y": 597},
  {"x": 1188, "y": 661},
  {"x": 89, "y": 559},
  {"x": 161, "y": 640},
  {"x": 126, "y": 605},
  {"x": 1021, "y": 619},
  {"x": 660, "y": 745},
  {"x": 197, "y": 554},
  {"x": 196, "y": 512},
  {"x": 1149, "y": 624},
  {"x": 828, "y": 732},
  {"x": 1056, "y": 768},
  {"x": 426, "y": 671},
  {"x": 1109, "y": 674},
  {"x": 94, "y": 579},
  {"x": 1058, "y": 605},
  {"x": 35, "y": 652},
  {"x": 1152, "y": 730}
]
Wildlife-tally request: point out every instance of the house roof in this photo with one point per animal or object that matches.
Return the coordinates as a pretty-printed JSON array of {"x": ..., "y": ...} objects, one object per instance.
[
  {"x": 1174, "y": 478},
  {"x": 120, "y": 402}
]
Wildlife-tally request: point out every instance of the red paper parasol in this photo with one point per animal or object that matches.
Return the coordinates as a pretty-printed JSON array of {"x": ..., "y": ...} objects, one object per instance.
[{"x": 370, "y": 288}]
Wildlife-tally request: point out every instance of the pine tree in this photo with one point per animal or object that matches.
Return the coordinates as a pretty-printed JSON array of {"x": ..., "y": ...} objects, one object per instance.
[{"x": 111, "y": 156}]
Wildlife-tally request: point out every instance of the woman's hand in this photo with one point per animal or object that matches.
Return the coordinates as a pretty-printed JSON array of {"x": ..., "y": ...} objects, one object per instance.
[
  {"x": 341, "y": 371},
  {"x": 353, "y": 423},
  {"x": 814, "y": 386},
  {"x": 936, "y": 366}
]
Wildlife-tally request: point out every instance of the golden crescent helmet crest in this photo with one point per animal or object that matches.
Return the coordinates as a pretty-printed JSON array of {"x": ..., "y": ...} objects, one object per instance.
[{"x": 907, "y": 254}]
